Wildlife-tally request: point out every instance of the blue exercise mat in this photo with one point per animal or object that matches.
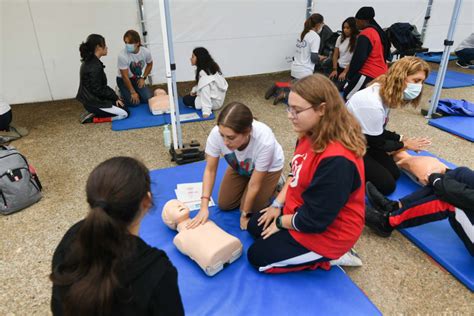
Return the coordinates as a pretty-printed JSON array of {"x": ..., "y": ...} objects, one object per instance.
[
  {"x": 453, "y": 79},
  {"x": 240, "y": 289},
  {"x": 438, "y": 239},
  {"x": 434, "y": 57},
  {"x": 462, "y": 126},
  {"x": 141, "y": 117}
]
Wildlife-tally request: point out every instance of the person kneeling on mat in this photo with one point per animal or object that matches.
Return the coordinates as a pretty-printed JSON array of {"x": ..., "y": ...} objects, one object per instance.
[
  {"x": 255, "y": 161},
  {"x": 446, "y": 195},
  {"x": 209, "y": 92},
  {"x": 319, "y": 214},
  {"x": 99, "y": 100},
  {"x": 101, "y": 266}
]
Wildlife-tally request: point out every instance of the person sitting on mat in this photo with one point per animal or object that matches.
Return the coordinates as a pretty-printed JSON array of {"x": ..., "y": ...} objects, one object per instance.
[
  {"x": 101, "y": 266},
  {"x": 99, "y": 100},
  {"x": 465, "y": 52},
  {"x": 131, "y": 75},
  {"x": 255, "y": 161},
  {"x": 401, "y": 86},
  {"x": 343, "y": 52},
  {"x": 319, "y": 214},
  {"x": 209, "y": 92},
  {"x": 370, "y": 54},
  {"x": 448, "y": 194}
]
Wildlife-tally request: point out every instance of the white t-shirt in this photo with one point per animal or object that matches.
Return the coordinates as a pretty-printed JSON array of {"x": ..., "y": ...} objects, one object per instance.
[
  {"x": 135, "y": 63},
  {"x": 4, "y": 106},
  {"x": 368, "y": 108},
  {"x": 345, "y": 55},
  {"x": 302, "y": 65},
  {"x": 263, "y": 153}
]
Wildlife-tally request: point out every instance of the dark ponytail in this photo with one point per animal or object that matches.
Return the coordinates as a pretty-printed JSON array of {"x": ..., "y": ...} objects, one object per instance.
[
  {"x": 204, "y": 61},
  {"x": 87, "y": 48},
  {"x": 310, "y": 23},
  {"x": 115, "y": 190}
]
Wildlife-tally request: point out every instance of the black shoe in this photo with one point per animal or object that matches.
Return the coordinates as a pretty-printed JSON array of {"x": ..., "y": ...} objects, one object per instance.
[
  {"x": 280, "y": 97},
  {"x": 378, "y": 222},
  {"x": 378, "y": 200},
  {"x": 462, "y": 64},
  {"x": 270, "y": 92}
]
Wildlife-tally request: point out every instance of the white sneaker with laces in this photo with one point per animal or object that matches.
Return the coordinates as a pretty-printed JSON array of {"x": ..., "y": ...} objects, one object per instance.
[{"x": 349, "y": 259}]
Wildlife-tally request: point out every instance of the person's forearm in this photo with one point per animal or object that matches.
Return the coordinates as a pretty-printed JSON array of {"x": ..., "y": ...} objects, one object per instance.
[
  {"x": 252, "y": 191},
  {"x": 286, "y": 222},
  {"x": 147, "y": 70},
  {"x": 335, "y": 57},
  {"x": 207, "y": 186}
]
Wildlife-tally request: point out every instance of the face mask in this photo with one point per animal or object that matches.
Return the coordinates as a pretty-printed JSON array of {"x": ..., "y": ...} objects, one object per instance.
[
  {"x": 412, "y": 91},
  {"x": 130, "y": 47}
]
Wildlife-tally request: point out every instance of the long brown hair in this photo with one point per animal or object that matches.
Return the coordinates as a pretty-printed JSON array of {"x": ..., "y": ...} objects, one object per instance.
[
  {"x": 310, "y": 23},
  {"x": 115, "y": 190},
  {"x": 392, "y": 83},
  {"x": 236, "y": 116},
  {"x": 337, "y": 124},
  {"x": 351, "y": 22}
]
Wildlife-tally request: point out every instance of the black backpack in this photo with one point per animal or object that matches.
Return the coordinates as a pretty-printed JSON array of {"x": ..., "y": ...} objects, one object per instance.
[{"x": 404, "y": 37}]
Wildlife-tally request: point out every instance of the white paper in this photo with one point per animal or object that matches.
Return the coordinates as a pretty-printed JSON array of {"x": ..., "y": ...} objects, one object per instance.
[
  {"x": 189, "y": 117},
  {"x": 190, "y": 194}
]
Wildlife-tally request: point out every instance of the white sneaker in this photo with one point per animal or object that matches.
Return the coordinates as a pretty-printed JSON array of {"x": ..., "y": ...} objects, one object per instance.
[{"x": 349, "y": 259}]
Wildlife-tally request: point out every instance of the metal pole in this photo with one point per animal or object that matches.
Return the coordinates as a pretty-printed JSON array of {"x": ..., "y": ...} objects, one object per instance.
[
  {"x": 170, "y": 73},
  {"x": 448, "y": 42},
  {"x": 141, "y": 10},
  {"x": 425, "y": 23},
  {"x": 309, "y": 8}
]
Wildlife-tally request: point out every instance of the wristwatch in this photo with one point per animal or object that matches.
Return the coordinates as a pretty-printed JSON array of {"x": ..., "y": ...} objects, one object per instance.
[{"x": 278, "y": 222}]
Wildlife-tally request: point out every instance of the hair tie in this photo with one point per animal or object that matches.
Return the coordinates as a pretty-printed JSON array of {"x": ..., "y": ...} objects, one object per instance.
[{"x": 101, "y": 204}]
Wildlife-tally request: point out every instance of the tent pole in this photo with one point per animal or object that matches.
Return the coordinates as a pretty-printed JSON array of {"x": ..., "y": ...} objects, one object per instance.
[
  {"x": 309, "y": 8},
  {"x": 427, "y": 17},
  {"x": 448, "y": 42},
  {"x": 170, "y": 73}
]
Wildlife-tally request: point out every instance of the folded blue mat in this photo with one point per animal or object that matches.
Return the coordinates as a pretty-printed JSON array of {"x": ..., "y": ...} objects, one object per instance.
[
  {"x": 434, "y": 57},
  {"x": 141, "y": 117},
  {"x": 240, "y": 289},
  {"x": 453, "y": 79},
  {"x": 462, "y": 126},
  {"x": 438, "y": 239}
]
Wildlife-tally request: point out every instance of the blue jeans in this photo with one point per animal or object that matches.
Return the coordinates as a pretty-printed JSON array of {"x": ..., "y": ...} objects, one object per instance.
[
  {"x": 144, "y": 93},
  {"x": 466, "y": 55}
]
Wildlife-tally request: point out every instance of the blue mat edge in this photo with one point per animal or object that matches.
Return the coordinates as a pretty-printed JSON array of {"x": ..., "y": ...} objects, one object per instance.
[
  {"x": 337, "y": 268},
  {"x": 439, "y": 260},
  {"x": 434, "y": 123},
  {"x": 445, "y": 84}
]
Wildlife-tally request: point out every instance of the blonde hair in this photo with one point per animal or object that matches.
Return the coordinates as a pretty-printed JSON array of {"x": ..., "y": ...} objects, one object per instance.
[
  {"x": 337, "y": 123},
  {"x": 392, "y": 83}
]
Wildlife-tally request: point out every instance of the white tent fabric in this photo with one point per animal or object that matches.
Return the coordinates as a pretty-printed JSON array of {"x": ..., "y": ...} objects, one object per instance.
[{"x": 39, "y": 58}]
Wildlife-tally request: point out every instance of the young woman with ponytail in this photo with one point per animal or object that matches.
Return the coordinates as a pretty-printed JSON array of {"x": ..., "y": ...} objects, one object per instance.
[
  {"x": 101, "y": 266},
  {"x": 99, "y": 100}
]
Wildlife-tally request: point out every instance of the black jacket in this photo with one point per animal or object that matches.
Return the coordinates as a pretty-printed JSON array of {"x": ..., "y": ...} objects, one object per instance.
[
  {"x": 149, "y": 279},
  {"x": 93, "y": 90}
]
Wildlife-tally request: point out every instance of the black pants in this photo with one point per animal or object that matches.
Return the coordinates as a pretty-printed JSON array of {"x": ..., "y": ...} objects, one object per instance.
[
  {"x": 5, "y": 120},
  {"x": 339, "y": 84},
  {"x": 190, "y": 101},
  {"x": 381, "y": 170},
  {"x": 356, "y": 83},
  {"x": 279, "y": 252}
]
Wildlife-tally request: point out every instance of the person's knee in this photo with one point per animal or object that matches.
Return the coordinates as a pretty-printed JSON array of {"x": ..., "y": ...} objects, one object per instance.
[
  {"x": 254, "y": 255},
  {"x": 253, "y": 227},
  {"x": 387, "y": 186},
  {"x": 225, "y": 204}
]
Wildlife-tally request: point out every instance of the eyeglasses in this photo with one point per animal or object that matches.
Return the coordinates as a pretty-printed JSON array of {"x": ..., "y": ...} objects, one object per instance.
[{"x": 294, "y": 113}]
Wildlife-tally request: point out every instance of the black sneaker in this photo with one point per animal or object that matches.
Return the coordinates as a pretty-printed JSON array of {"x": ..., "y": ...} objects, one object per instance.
[
  {"x": 86, "y": 117},
  {"x": 378, "y": 200},
  {"x": 462, "y": 64},
  {"x": 271, "y": 92},
  {"x": 378, "y": 222}
]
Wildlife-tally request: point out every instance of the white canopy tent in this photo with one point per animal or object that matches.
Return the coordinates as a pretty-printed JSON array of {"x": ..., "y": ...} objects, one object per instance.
[{"x": 40, "y": 38}]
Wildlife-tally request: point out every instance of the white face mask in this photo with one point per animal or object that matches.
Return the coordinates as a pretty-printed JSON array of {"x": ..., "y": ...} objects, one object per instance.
[{"x": 412, "y": 91}]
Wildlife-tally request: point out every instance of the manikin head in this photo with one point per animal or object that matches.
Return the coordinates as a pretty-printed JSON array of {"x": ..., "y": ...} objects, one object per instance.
[
  {"x": 160, "y": 92},
  {"x": 174, "y": 212}
]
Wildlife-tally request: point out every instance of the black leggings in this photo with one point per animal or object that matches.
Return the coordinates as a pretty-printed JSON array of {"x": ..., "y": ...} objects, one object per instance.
[
  {"x": 381, "y": 170},
  {"x": 190, "y": 101},
  {"x": 357, "y": 83},
  {"x": 280, "y": 252},
  {"x": 5, "y": 120}
]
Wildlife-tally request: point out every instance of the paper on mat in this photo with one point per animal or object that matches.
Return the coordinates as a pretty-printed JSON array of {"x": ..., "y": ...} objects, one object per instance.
[
  {"x": 189, "y": 117},
  {"x": 190, "y": 194}
]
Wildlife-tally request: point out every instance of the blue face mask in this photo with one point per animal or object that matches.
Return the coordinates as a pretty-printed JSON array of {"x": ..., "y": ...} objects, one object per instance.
[
  {"x": 130, "y": 47},
  {"x": 412, "y": 91}
]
